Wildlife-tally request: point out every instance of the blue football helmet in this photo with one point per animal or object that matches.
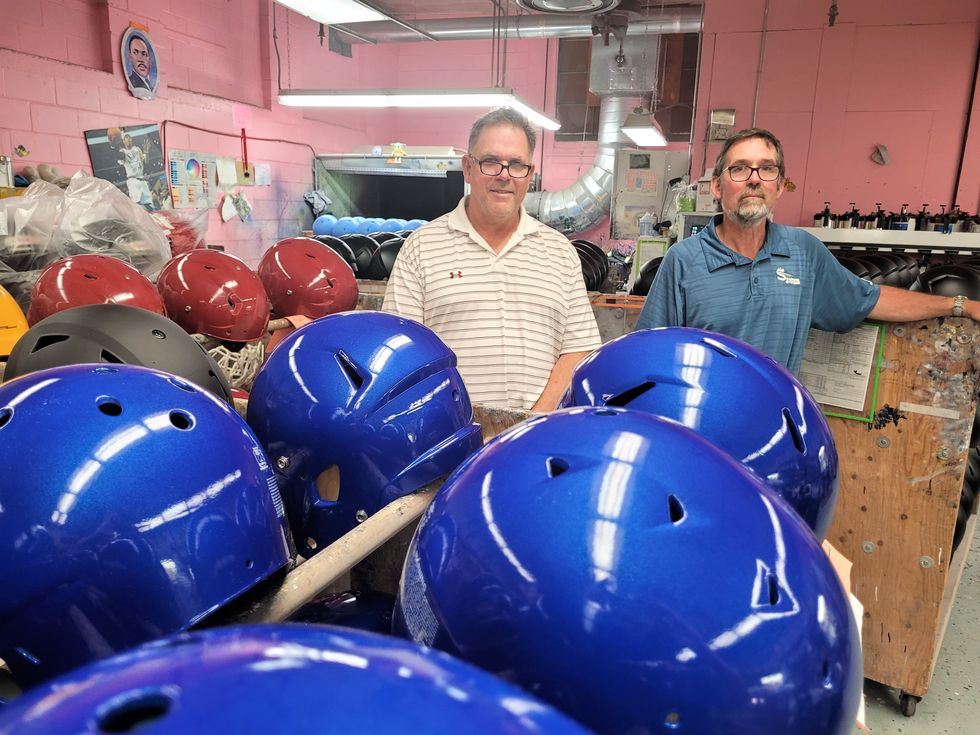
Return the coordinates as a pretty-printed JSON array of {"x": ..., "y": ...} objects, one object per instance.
[
  {"x": 133, "y": 505},
  {"x": 633, "y": 575},
  {"x": 357, "y": 409},
  {"x": 730, "y": 393},
  {"x": 281, "y": 679}
]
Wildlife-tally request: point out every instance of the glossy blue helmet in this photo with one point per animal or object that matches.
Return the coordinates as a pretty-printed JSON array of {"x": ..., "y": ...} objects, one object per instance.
[
  {"x": 730, "y": 393},
  {"x": 630, "y": 573},
  {"x": 355, "y": 410},
  {"x": 281, "y": 679},
  {"x": 133, "y": 504},
  {"x": 323, "y": 225}
]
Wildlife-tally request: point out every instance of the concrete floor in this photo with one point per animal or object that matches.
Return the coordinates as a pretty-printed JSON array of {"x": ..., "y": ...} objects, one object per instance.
[{"x": 952, "y": 704}]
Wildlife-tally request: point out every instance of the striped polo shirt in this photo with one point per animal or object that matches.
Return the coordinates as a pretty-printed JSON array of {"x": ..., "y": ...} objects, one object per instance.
[
  {"x": 507, "y": 316},
  {"x": 771, "y": 302}
]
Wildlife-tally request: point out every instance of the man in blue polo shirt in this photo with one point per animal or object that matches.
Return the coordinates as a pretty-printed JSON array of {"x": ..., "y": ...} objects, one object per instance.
[{"x": 767, "y": 284}]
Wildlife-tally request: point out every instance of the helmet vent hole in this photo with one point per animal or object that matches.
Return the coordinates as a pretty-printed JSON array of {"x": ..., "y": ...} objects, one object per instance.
[
  {"x": 48, "y": 340},
  {"x": 825, "y": 674},
  {"x": 181, "y": 420},
  {"x": 718, "y": 347},
  {"x": 794, "y": 431},
  {"x": 604, "y": 412},
  {"x": 133, "y": 713},
  {"x": 350, "y": 370},
  {"x": 5, "y": 414},
  {"x": 328, "y": 484},
  {"x": 675, "y": 509},
  {"x": 556, "y": 466},
  {"x": 455, "y": 394},
  {"x": 109, "y": 406},
  {"x": 773, "y": 584},
  {"x": 106, "y": 356},
  {"x": 182, "y": 385},
  {"x": 672, "y": 721},
  {"x": 249, "y": 563},
  {"x": 159, "y": 334},
  {"x": 624, "y": 398},
  {"x": 311, "y": 543},
  {"x": 91, "y": 276}
]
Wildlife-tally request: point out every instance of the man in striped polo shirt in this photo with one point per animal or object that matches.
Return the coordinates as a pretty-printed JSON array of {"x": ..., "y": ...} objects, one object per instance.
[
  {"x": 504, "y": 291},
  {"x": 767, "y": 284}
]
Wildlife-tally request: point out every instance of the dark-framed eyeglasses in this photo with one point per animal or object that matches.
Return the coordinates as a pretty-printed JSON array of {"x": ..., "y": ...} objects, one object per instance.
[
  {"x": 491, "y": 167},
  {"x": 740, "y": 172}
]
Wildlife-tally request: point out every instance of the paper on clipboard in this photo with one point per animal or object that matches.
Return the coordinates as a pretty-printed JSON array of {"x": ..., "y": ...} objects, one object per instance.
[{"x": 837, "y": 368}]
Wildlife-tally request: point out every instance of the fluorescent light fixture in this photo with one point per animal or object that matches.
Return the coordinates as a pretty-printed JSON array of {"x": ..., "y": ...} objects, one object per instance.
[
  {"x": 432, "y": 98},
  {"x": 332, "y": 12},
  {"x": 643, "y": 130}
]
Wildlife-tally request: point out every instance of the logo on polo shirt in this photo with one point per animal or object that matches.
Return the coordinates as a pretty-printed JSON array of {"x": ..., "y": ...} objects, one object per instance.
[
  {"x": 785, "y": 277},
  {"x": 455, "y": 274}
]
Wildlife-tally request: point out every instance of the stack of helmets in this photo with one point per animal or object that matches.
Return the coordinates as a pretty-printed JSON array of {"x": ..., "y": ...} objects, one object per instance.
[
  {"x": 363, "y": 247},
  {"x": 636, "y": 577},
  {"x": 341, "y": 248},
  {"x": 383, "y": 259},
  {"x": 595, "y": 264}
]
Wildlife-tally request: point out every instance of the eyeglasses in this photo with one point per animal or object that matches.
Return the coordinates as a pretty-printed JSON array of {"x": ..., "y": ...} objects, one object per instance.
[
  {"x": 490, "y": 167},
  {"x": 739, "y": 172}
]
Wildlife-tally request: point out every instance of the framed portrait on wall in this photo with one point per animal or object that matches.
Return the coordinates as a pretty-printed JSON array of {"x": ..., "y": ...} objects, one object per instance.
[{"x": 139, "y": 62}]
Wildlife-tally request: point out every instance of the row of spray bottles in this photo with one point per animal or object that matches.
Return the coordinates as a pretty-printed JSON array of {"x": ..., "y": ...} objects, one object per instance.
[{"x": 923, "y": 221}]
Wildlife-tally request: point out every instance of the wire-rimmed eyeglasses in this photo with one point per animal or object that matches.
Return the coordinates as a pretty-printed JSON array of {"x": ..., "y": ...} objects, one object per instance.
[
  {"x": 740, "y": 172},
  {"x": 491, "y": 167}
]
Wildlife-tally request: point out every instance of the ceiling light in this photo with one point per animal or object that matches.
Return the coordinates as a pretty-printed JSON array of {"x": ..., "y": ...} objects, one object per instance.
[
  {"x": 432, "y": 98},
  {"x": 569, "y": 7},
  {"x": 643, "y": 130},
  {"x": 331, "y": 12}
]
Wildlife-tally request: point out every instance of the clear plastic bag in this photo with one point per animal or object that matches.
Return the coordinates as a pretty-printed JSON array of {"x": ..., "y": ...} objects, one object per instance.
[
  {"x": 184, "y": 228},
  {"x": 96, "y": 217}
]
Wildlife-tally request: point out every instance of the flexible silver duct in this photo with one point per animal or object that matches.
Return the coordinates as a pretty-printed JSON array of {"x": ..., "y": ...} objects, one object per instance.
[
  {"x": 677, "y": 20},
  {"x": 584, "y": 203}
]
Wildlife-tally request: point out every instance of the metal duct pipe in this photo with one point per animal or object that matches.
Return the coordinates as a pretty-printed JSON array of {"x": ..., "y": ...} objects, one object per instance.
[
  {"x": 678, "y": 20},
  {"x": 584, "y": 203}
]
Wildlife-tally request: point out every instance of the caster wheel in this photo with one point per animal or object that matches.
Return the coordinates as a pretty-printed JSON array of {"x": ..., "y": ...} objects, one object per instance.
[{"x": 908, "y": 703}]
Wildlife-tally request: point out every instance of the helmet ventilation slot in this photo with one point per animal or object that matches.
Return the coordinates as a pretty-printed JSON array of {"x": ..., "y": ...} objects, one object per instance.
[
  {"x": 556, "y": 466},
  {"x": 624, "y": 398},
  {"x": 350, "y": 370},
  {"x": 5, "y": 414},
  {"x": 47, "y": 340},
  {"x": 676, "y": 509},
  {"x": 134, "y": 712},
  {"x": 106, "y": 356},
  {"x": 794, "y": 432}
]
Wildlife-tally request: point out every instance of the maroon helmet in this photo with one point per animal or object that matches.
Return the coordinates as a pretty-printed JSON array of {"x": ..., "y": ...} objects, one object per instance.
[
  {"x": 81, "y": 280},
  {"x": 213, "y": 293},
  {"x": 305, "y": 277}
]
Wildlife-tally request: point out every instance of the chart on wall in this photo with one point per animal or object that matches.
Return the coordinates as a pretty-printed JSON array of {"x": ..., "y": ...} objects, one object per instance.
[
  {"x": 131, "y": 158},
  {"x": 193, "y": 179}
]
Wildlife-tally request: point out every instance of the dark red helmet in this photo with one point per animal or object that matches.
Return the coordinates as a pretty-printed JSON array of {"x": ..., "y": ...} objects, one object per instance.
[
  {"x": 305, "y": 277},
  {"x": 213, "y": 293},
  {"x": 81, "y": 280}
]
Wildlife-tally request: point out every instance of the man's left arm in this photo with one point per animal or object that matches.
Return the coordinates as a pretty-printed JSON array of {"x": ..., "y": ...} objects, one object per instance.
[
  {"x": 899, "y": 305},
  {"x": 561, "y": 376}
]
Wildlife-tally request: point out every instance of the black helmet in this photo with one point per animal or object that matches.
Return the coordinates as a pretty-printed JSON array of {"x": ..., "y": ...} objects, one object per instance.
[
  {"x": 363, "y": 247},
  {"x": 383, "y": 259},
  {"x": 641, "y": 286},
  {"x": 101, "y": 333},
  {"x": 340, "y": 247},
  {"x": 951, "y": 280}
]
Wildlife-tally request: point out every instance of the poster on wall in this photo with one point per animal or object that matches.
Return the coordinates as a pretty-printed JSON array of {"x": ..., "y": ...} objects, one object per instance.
[
  {"x": 131, "y": 158},
  {"x": 139, "y": 61},
  {"x": 193, "y": 179}
]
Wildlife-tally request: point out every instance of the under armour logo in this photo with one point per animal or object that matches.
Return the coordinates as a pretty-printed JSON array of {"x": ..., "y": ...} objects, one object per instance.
[{"x": 456, "y": 274}]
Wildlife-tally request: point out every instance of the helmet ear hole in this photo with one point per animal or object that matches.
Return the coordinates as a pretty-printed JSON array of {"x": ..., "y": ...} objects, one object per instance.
[
  {"x": 47, "y": 340},
  {"x": 556, "y": 466},
  {"x": 328, "y": 484}
]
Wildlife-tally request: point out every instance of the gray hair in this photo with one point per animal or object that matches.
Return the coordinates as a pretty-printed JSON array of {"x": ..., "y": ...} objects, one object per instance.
[
  {"x": 746, "y": 135},
  {"x": 502, "y": 116}
]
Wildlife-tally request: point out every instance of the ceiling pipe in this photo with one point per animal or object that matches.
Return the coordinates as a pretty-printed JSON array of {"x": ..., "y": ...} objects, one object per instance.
[
  {"x": 583, "y": 204},
  {"x": 686, "y": 19}
]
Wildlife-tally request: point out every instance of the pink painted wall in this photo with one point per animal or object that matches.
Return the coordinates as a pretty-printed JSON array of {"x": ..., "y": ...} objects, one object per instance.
[
  {"x": 895, "y": 72},
  {"x": 890, "y": 71}
]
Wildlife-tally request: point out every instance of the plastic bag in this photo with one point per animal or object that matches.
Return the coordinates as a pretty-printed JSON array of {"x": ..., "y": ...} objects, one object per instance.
[
  {"x": 26, "y": 225},
  {"x": 184, "y": 228},
  {"x": 98, "y": 218}
]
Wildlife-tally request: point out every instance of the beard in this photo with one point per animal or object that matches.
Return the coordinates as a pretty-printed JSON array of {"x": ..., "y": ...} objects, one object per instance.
[{"x": 750, "y": 211}]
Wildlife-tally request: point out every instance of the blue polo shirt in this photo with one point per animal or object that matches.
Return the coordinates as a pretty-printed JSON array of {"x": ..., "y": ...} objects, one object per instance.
[{"x": 771, "y": 302}]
